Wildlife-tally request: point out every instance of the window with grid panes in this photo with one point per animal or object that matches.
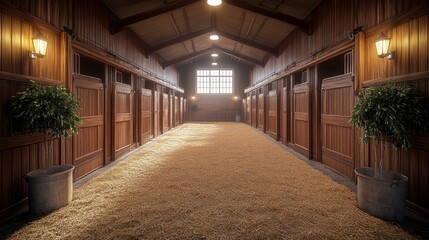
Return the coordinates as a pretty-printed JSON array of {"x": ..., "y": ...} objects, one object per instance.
[{"x": 214, "y": 81}]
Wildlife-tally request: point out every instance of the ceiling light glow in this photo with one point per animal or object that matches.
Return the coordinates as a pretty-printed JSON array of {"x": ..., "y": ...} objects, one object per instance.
[
  {"x": 214, "y": 63},
  {"x": 214, "y": 2},
  {"x": 215, "y": 55},
  {"x": 214, "y": 37}
]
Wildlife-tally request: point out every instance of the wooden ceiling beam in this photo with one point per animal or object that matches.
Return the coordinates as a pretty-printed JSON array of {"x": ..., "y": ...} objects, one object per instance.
[
  {"x": 239, "y": 56},
  {"x": 180, "y": 39},
  {"x": 121, "y": 24},
  {"x": 214, "y": 48},
  {"x": 249, "y": 42},
  {"x": 186, "y": 57},
  {"x": 303, "y": 25},
  {"x": 232, "y": 37}
]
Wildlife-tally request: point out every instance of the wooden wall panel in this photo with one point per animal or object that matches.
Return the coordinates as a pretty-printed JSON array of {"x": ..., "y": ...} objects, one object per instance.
[
  {"x": 90, "y": 21},
  {"x": 332, "y": 21},
  {"x": 20, "y": 21},
  {"x": 261, "y": 112},
  {"x": 413, "y": 162},
  {"x": 273, "y": 114},
  {"x": 123, "y": 119},
  {"x": 284, "y": 116},
  {"x": 176, "y": 111},
  {"x": 409, "y": 41},
  {"x": 16, "y": 43},
  {"x": 88, "y": 149},
  {"x": 146, "y": 115},
  {"x": 254, "y": 117},
  {"x": 248, "y": 110},
  {"x": 171, "y": 110},
  {"x": 337, "y": 139},
  {"x": 214, "y": 108},
  {"x": 165, "y": 112},
  {"x": 181, "y": 111},
  {"x": 301, "y": 119},
  {"x": 16, "y": 163}
]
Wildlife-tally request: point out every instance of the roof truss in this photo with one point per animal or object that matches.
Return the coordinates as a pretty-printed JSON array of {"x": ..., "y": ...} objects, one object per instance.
[
  {"x": 121, "y": 24},
  {"x": 303, "y": 25},
  {"x": 207, "y": 50},
  {"x": 233, "y": 37}
]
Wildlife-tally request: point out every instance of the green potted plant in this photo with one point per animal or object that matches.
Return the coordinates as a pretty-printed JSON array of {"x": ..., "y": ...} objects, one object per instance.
[
  {"x": 53, "y": 111},
  {"x": 386, "y": 114}
]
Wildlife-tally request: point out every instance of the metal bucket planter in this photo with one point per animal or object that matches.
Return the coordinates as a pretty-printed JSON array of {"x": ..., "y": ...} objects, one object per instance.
[
  {"x": 50, "y": 188},
  {"x": 382, "y": 196}
]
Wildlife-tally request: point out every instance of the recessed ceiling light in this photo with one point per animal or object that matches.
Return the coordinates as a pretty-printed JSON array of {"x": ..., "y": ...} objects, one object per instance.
[
  {"x": 214, "y": 55},
  {"x": 214, "y": 63},
  {"x": 214, "y": 2},
  {"x": 214, "y": 37}
]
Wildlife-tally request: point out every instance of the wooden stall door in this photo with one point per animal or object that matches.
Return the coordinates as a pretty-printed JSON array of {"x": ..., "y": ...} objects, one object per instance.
[
  {"x": 176, "y": 111},
  {"x": 88, "y": 144},
  {"x": 123, "y": 119},
  {"x": 248, "y": 111},
  {"x": 185, "y": 110},
  {"x": 254, "y": 111},
  {"x": 336, "y": 132},
  {"x": 146, "y": 115},
  {"x": 171, "y": 112},
  {"x": 181, "y": 111},
  {"x": 272, "y": 114},
  {"x": 261, "y": 115},
  {"x": 301, "y": 124},
  {"x": 165, "y": 111},
  {"x": 283, "y": 116},
  {"x": 156, "y": 115}
]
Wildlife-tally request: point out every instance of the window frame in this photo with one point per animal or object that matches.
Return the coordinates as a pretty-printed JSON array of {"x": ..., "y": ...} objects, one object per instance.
[{"x": 221, "y": 90}]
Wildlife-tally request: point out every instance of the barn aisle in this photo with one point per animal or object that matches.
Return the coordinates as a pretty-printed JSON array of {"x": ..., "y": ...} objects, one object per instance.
[{"x": 211, "y": 181}]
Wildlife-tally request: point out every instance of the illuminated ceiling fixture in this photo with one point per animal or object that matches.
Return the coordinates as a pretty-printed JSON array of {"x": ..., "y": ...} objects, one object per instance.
[
  {"x": 214, "y": 2},
  {"x": 214, "y": 37},
  {"x": 214, "y": 55},
  {"x": 214, "y": 63}
]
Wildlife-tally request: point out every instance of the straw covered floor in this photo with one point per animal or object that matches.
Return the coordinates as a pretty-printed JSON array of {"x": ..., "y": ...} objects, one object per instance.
[{"x": 211, "y": 181}]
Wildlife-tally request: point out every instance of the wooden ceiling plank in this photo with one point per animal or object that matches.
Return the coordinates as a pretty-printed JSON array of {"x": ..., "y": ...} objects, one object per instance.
[
  {"x": 260, "y": 28},
  {"x": 303, "y": 25},
  {"x": 180, "y": 39},
  {"x": 188, "y": 28},
  {"x": 239, "y": 56},
  {"x": 248, "y": 42},
  {"x": 174, "y": 24},
  {"x": 250, "y": 26},
  {"x": 121, "y": 24},
  {"x": 278, "y": 4},
  {"x": 190, "y": 36},
  {"x": 187, "y": 57},
  {"x": 207, "y": 50}
]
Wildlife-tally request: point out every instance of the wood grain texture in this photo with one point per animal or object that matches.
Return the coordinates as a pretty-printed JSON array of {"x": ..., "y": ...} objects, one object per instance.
[
  {"x": 88, "y": 146},
  {"x": 336, "y": 133},
  {"x": 123, "y": 119},
  {"x": 273, "y": 114},
  {"x": 213, "y": 107}
]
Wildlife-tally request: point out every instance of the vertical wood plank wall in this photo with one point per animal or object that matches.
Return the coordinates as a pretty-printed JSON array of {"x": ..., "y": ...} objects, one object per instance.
[
  {"x": 20, "y": 21},
  {"x": 88, "y": 144},
  {"x": 407, "y": 24},
  {"x": 215, "y": 107},
  {"x": 146, "y": 115}
]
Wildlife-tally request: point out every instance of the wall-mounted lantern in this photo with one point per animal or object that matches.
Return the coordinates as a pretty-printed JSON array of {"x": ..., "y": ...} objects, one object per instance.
[
  {"x": 382, "y": 44},
  {"x": 40, "y": 45}
]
